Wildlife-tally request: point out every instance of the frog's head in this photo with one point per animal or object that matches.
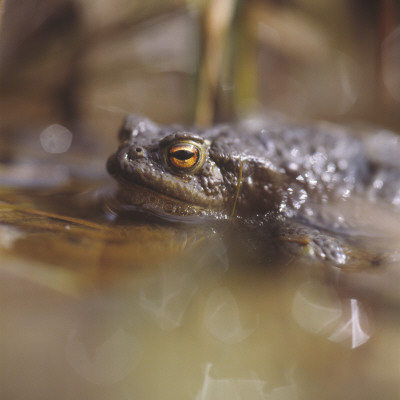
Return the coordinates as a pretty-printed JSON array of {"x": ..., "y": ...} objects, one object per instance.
[{"x": 172, "y": 171}]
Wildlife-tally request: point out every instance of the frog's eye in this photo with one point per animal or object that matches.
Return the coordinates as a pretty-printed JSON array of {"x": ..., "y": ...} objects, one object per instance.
[{"x": 184, "y": 156}]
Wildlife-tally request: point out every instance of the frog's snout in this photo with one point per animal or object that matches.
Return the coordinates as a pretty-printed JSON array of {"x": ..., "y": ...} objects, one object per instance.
[{"x": 136, "y": 152}]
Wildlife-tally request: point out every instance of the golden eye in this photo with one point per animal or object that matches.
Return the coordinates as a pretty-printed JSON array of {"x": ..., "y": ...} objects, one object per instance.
[{"x": 183, "y": 156}]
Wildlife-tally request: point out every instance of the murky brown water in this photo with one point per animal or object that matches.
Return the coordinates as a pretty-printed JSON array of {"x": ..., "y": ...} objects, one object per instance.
[{"x": 95, "y": 310}]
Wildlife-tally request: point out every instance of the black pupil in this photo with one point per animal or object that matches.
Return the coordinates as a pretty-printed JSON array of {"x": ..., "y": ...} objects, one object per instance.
[{"x": 183, "y": 154}]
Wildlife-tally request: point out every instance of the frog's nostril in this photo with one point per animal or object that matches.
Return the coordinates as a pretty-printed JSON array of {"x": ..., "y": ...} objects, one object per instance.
[{"x": 136, "y": 152}]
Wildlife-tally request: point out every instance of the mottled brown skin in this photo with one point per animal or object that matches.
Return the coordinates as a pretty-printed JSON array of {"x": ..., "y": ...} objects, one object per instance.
[{"x": 270, "y": 175}]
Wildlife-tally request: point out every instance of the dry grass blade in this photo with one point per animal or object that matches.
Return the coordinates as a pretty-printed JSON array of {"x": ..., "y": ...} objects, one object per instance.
[{"x": 216, "y": 21}]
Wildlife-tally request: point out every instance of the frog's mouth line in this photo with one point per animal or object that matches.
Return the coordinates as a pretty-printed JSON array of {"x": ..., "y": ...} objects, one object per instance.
[{"x": 134, "y": 196}]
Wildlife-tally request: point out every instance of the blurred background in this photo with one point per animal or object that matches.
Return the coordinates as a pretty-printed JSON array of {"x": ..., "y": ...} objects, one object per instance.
[
  {"x": 139, "y": 311},
  {"x": 84, "y": 64}
]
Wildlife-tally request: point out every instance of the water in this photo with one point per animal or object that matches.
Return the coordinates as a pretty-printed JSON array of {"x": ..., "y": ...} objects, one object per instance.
[{"x": 98, "y": 309}]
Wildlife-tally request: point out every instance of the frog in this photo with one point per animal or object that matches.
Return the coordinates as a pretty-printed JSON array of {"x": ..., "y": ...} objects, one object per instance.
[{"x": 284, "y": 179}]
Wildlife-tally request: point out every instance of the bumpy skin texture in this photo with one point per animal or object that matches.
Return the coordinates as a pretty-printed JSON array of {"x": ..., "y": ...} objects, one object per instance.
[{"x": 256, "y": 169}]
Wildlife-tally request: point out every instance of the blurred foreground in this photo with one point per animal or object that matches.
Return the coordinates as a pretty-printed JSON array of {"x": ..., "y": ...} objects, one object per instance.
[{"x": 102, "y": 311}]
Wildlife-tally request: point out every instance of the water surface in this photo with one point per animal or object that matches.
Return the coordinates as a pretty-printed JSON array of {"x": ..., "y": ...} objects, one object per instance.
[{"x": 100, "y": 309}]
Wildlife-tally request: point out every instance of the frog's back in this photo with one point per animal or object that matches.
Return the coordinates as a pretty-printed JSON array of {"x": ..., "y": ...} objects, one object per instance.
[{"x": 328, "y": 159}]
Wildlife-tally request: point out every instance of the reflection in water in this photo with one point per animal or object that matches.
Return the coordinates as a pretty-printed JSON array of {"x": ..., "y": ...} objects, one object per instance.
[
  {"x": 353, "y": 327},
  {"x": 242, "y": 389},
  {"x": 167, "y": 298},
  {"x": 167, "y": 295},
  {"x": 111, "y": 362},
  {"x": 318, "y": 309},
  {"x": 315, "y": 307},
  {"x": 222, "y": 319},
  {"x": 230, "y": 388}
]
